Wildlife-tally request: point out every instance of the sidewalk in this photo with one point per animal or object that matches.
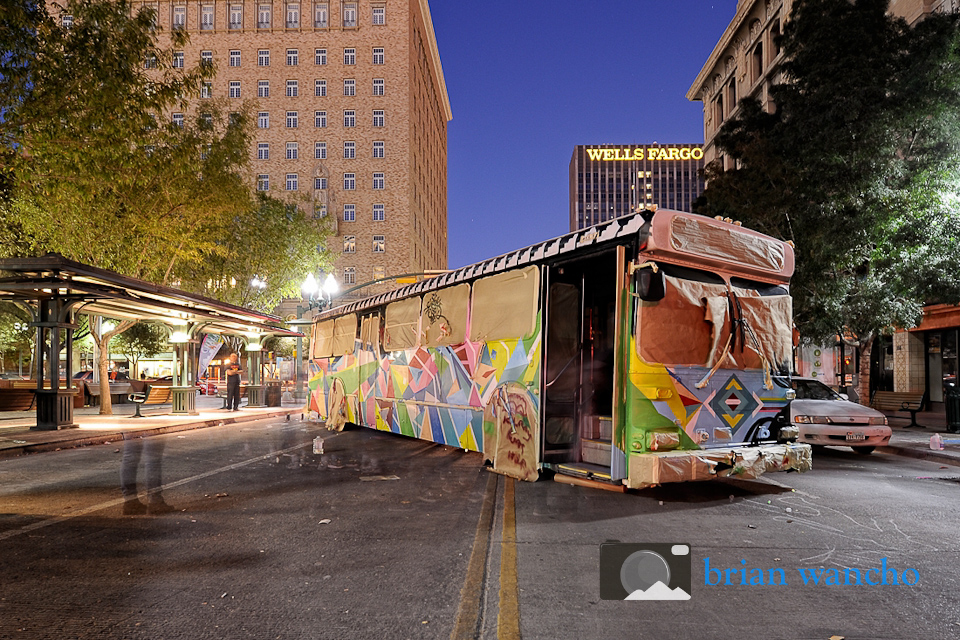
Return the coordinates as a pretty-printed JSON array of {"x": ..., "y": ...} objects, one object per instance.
[
  {"x": 17, "y": 438},
  {"x": 915, "y": 443}
]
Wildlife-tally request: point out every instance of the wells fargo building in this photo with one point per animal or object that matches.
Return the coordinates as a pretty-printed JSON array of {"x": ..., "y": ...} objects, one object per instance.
[
  {"x": 608, "y": 181},
  {"x": 352, "y": 113}
]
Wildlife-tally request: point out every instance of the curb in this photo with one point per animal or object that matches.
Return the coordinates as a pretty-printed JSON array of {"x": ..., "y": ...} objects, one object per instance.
[
  {"x": 920, "y": 454},
  {"x": 104, "y": 438}
]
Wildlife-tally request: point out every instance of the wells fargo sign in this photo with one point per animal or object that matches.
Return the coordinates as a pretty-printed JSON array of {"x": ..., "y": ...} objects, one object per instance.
[{"x": 647, "y": 153}]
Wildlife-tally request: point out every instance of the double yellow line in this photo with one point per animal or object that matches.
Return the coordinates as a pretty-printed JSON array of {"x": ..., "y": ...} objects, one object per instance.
[{"x": 468, "y": 625}]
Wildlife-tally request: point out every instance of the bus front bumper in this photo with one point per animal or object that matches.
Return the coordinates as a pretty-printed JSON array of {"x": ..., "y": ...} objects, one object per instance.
[{"x": 652, "y": 469}]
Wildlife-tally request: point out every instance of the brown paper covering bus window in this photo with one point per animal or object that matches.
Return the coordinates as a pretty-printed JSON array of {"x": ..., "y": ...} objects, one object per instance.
[
  {"x": 401, "y": 325},
  {"x": 505, "y": 306},
  {"x": 345, "y": 334},
  {"x": 690, "y": 326},
  {"x": 370, "y": 331},
  {"x": 701, "y": 237},
  {"x": 443, "y": 318},
  {"x": 322, "y": 339}
]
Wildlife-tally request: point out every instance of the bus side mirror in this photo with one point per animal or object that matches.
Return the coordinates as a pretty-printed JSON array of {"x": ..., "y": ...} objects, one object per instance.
[{"x": 649, "y": 284}]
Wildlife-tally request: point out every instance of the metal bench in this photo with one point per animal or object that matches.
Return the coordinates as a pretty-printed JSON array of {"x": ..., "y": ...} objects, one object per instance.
[
  {"x": 154, "y": 395},
  {"x": 899, "y": 401}
]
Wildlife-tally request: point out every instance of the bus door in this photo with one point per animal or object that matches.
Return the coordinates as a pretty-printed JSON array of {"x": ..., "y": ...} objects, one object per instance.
[{"x": 581, "y": 339}]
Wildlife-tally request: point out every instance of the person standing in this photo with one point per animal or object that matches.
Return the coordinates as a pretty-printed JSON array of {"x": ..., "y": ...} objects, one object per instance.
[{"x": 232, "y": 373}]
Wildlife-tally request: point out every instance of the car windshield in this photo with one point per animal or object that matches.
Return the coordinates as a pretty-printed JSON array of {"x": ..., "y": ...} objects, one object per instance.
[{"x": 813, "y": 390}]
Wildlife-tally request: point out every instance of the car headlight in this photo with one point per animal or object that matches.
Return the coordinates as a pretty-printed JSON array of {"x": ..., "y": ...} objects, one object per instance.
[
  {"x": 879, "y": 420},
  {"x": 812, "y": 420}
]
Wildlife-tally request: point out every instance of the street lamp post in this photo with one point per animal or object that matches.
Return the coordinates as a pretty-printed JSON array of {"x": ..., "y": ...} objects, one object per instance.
[{"x": 315, "y": 296}]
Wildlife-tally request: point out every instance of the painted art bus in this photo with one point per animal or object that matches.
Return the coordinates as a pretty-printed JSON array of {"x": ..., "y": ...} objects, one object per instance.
[{"x": 642, "y": 351}]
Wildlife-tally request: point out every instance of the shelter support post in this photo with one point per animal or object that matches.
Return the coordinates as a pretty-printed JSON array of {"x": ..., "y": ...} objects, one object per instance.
[{"x": 54, "y": 331}]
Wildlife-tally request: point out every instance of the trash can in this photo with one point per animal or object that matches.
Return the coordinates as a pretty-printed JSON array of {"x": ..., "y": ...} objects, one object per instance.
[
  {"x": 273, "y": 392},
  {"x": 951, "y": 399}
]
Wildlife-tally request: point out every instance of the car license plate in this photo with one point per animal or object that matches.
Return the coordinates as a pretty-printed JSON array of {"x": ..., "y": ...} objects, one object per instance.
[{"x": 855, "y": 436}]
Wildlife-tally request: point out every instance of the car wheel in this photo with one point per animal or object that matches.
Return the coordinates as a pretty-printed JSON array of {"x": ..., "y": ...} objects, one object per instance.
[{"x": 865, "y": 451}]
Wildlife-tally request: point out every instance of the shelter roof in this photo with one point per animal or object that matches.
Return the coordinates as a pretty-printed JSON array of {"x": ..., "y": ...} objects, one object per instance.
[{"x": 102, "y": 292}]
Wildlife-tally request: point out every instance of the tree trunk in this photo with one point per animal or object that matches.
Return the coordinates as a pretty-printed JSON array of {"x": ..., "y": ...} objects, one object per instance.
[
  {"x": 103, "y": 362},
  {"x": 866, "y": 349}
]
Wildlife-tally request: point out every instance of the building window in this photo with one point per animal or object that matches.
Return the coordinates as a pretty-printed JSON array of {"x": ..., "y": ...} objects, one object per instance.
[
  {"x": 378, "y": 181},
  {"x": 349, "y": 56},
  {"x": 378, "y": 149},
  {"x": 293, "y": 15},
  {"x": 379, "y": 16},
  {"x": 349, "y": 244},
  {"x": 320, "y": 184},
  {"x": 292, "y": 181},
  {"x": 206, "y": 58},
  {"x": 263, "y": 16},
  {"x": 263, "y": 58},
  {"x": 150, "y": 62},
  {"x": 349, "y": 118},
  {"x": 293, "y": 57},
  {"x": 349, "y": 14},
  {"x": 179, "y": 17},
  {"x": 178, "y": 59},
  {"x": 206, "y": 90},
  {"x": 320, "y": 88},
  {"x": 378, "y": 118},
  {"x": 293, "y": 88},
  {"x": 349, "y": 181},
  {"x": 349, "y": 275},
  {"x": 349, "y": 212},
  {"x": 206, "y": 17},
  {"x": 234, "y": 88},
  {"x": 379, "y": 273},
  {"x": 319, "y": 150},
  {"x": 320, "y": 119},
  {"x": 293, "y": 151},
  {"x": 263, "y": 182},
  {"x": 378, "y": 213},
  {"x": 378, "y": 244},
  {"x": 292, "y": 119},
  {"x": 263, "y": 120},
  {"x": 757, "y": 63},
  {"x": 178, "y": 119},
  {"x": 263, "y": 151},
  {"x": 236, "y": 16},
  {"x": 349, "y": 150},
  {"x": 263, "y": 88},
  {"x": 378, "y": 86},
  {"x": 320, "y": 15},
  {"x": 378, "y": 55},
  {"x": 234, "y": 60},
  {"x": 349, "y": 87},
  {"x": 320, "y": 56}
]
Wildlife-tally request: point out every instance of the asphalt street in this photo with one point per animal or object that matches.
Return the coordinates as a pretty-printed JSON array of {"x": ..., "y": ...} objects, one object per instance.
[{"x": 382, "y": 536}]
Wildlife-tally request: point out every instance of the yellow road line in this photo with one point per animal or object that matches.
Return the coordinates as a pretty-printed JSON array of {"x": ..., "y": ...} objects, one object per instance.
[
  {"x": 470, "y": 611},
  {"x": 508, "y": 620}
]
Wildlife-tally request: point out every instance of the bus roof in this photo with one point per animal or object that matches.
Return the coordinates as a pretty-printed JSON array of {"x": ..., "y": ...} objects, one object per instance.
[{"x": 607, "y": 232}]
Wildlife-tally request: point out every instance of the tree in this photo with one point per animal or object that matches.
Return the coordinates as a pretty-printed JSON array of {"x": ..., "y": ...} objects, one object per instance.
[
  {"x": 142, "y": 340},
  {"x": 858, "y": 166},
  {"x": 16, "y": 335}
]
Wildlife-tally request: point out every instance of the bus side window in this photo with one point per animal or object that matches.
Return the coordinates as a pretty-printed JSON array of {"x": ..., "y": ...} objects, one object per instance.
[
  {"x": 370, "y": 332},
  {"x": 402, "y": 324},
  {"x": 322, "y": 339},
  {"x": 345, "y": 335},
  {"x": 505, "y": 306},
  {"x": 443, "y": 319}
]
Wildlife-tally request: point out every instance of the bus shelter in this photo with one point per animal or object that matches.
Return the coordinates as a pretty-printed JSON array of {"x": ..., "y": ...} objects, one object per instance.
[{"x": 54, "y": 290}]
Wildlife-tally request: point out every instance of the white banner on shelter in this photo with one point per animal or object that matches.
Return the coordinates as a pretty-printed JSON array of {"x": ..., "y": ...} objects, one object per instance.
[{"x": 208, "y": 350}]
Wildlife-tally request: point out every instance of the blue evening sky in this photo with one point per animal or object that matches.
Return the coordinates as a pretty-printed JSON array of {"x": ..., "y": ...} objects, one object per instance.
[{"x": 530, "y": 79}]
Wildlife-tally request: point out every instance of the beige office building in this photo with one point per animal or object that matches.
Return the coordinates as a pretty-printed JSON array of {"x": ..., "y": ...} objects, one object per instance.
[
  {"x": 352, "y": 114},
  {"x": 745, "y": 62}
]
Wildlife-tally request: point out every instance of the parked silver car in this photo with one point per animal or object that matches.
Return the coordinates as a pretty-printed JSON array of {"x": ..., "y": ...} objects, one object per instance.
[{"x": 824, "y": 417}]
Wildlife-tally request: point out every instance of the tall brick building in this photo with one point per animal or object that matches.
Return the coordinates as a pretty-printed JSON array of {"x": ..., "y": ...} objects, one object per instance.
[{"x": 352, "y": 114}]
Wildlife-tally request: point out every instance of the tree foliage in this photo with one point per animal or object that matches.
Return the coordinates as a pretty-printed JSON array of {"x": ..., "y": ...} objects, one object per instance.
[
  {"x": 142, "y": 340},
  {"x": 858, "y": 166}
]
